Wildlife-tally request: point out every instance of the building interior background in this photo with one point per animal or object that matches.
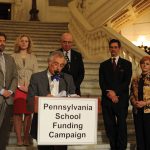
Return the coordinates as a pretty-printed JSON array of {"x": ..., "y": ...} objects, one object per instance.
[{"x": 92, "y": 23}]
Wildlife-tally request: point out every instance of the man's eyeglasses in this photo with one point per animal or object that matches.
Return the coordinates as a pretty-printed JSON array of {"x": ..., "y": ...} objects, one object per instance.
[
  {"x": 67, "y": 42},
  {"x": 115, "y": 47},
  {"x": 58, "y": 64}
]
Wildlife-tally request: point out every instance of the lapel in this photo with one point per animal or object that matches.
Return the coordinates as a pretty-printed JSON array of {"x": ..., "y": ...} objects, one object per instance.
[
  {"x": 1, "y": 69},
  {"x": 119, "y": 63},
  {"x": 73, "y": 56},
  {"x": 45, "y": 81},
  {"x": 119, "y": 67},
  {"x": 6, "y": 65},
  {"x": 62, "y": 85},
  {"x": 1, "y": 76},
  {"x": 110, "y": 66},
  {"x": 74, "y": 60}
]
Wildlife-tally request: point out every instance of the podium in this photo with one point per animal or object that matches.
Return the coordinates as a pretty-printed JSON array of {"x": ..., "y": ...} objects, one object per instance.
[
  {"x": 36, "y": 98},
  {"x": 66, "y": 121}
]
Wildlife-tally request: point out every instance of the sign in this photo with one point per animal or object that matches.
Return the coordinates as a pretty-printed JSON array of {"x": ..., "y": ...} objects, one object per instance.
[{"x": 67, "y": 121}]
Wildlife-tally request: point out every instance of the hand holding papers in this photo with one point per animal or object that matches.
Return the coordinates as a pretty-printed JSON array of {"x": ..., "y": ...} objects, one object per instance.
[
  {"x": 64, "y": 94},
  {"x": 61, "y": 94}
]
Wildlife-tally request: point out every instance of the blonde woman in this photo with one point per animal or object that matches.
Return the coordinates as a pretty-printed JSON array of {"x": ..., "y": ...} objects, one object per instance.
[
  {"x": 140, "y": 99},
  {"x": 26, "y": 64}
]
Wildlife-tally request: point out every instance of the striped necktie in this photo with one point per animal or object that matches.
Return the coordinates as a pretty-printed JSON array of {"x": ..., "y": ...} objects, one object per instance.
[
  {"x": 66, "y": 56},
  {"x": 68, "y": 62}
]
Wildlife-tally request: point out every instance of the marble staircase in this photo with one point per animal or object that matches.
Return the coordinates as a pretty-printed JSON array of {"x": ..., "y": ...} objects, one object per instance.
[{"x": 46, "y": 38}]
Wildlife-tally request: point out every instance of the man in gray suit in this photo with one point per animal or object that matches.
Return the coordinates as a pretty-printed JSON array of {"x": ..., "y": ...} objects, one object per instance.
[
  {"x": 41, "y": 85},
  {"x": 8, "y": 84}
]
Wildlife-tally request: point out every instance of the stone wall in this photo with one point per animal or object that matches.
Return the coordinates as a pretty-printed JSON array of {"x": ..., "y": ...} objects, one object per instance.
[{"x": 20, "y": 11}]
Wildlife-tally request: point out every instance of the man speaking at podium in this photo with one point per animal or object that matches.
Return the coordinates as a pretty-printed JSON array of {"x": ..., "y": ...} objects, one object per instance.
[{"x": 49, "y": 83}]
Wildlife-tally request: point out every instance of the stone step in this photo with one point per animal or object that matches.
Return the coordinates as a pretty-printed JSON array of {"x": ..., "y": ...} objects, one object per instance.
[
  {"x": 47, "y": 36},
  {"x": 98, "y": 147},
  {"x": 130, "y": 146},
  {"x": 33, "y": 24},
  {"x": 33, "y": 28},
  {"x": 48, "y": 40},
  {"x": 85, "y": 91},
  {"x": 90, "y": 84},
  {"x": 101, "y": 137},
  {"x": 94, "y": 71},
  {"x": 92, "y": 65},
  {"x": 91, "y": 77},
  {"x": 14, "y": 147}
]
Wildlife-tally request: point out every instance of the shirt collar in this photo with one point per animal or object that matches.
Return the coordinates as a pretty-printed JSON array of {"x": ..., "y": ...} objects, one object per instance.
[
  {"x": 116, "y": 59},
  {"x": 49, "y": 75},
  {"x": 69, "y": 54}
]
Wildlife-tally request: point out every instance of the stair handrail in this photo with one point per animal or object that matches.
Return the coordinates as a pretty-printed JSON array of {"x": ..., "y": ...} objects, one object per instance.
[
  {"x": 93, "y": 41},
  {"x": 102, "y": 10}
]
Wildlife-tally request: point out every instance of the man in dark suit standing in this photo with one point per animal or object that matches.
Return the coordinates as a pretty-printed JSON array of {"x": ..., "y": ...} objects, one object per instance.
[
  {"x": 42, "y": 84},
  {"x": 8, "y": 85},
  {"x": 114, "y": 79},
  {"x": 74, "y": 66}
]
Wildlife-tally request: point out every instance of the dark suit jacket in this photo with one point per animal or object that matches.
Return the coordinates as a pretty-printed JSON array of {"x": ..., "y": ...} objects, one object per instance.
[
  {"x": 39, "y": 86},
  {"x": 76, "y": 68},
  {"x": 118, "y": 81},
  {"x": 11, "y": 77}
]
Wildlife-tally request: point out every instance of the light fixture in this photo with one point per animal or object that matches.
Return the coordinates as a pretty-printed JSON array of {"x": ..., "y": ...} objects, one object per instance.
[{"x": 143, "y": 43}]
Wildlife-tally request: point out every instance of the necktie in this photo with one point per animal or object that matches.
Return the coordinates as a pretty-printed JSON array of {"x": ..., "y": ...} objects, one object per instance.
[
  {"x": 66, "y": 56},
  {"x": 57, "y": 77},
  {"x": 114, "y": 64},
  {"x": 68, "y": 63}
]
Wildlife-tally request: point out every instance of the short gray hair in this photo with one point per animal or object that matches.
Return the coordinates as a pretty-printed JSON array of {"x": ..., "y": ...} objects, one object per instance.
[{"x": 56, "y": 54}]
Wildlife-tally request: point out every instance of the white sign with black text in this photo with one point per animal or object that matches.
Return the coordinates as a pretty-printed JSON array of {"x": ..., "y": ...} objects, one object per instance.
[{"x": 67, "y": 121}]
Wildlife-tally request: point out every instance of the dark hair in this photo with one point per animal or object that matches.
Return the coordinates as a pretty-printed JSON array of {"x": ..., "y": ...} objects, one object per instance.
[
  {"x": 144, "y": 58},
  {"x": 4, "y": 35},
  {"x": 114, "y": 41}
]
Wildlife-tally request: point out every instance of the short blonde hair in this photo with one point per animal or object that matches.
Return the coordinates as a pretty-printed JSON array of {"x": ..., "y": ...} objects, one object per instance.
[{"x": 17, "y": 48}]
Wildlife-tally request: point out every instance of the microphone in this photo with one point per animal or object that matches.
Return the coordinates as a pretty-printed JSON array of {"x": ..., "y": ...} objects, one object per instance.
[{"x": 56, "y": 75}]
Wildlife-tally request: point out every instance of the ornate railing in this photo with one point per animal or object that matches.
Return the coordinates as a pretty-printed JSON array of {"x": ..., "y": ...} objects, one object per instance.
[
  {"x": 93, "y": 41},
  {"x": 100, "y": 11}
]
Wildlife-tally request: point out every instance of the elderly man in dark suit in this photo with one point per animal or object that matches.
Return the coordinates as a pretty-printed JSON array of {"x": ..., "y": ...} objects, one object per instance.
[
  {"x": 8, "y": 84},
  {"x": 40, "y": 85},
  {"x": 114, "y": 79},
  {"x": 74, "y": 66}
]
